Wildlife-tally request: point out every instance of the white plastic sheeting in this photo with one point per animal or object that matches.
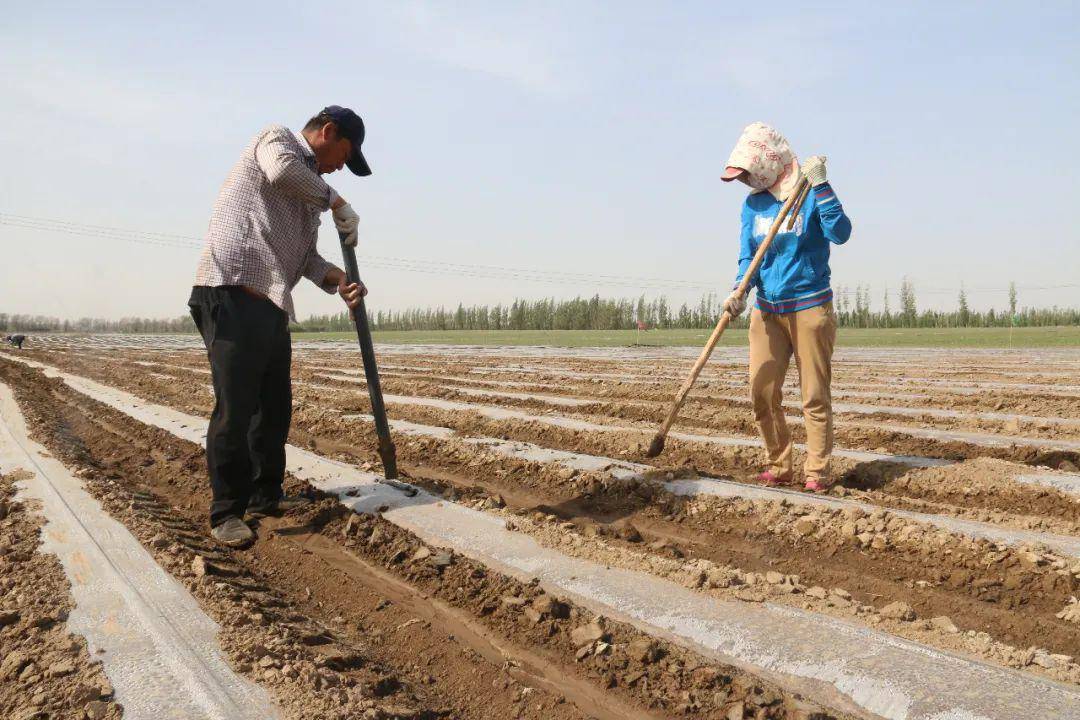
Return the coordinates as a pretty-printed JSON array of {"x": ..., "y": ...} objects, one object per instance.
[
  {"x": 826, "y": 658},
  {"x": 156, "y": 645}
]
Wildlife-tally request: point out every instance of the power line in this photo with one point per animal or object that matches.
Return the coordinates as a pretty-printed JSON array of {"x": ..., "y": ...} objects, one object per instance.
[
  {"x": 89, "y": 231},
  {"x": 434, "y": 267},
  {"x": 437, "y": 267},
  {"x": 384, "y": 262},
  {"x": 87, "y": 226}
]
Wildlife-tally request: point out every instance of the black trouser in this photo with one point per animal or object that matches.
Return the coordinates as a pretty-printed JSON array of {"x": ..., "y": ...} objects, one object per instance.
[{"x": 250, "y": 351}]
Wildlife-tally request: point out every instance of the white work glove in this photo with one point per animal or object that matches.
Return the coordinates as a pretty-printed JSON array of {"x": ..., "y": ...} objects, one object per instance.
[
  {"x": 814, "y": 170},
  {"x": 735, "y": 304},
  {"x": 347, "y": 222}
]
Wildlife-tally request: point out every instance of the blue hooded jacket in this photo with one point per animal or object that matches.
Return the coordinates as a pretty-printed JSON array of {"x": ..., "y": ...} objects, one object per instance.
[{"x": 794, "y": 274}]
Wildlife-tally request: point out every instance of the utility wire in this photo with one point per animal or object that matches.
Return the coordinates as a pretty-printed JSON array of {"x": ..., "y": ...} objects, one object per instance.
[
  {"x": 433, "y": 267},
  {"x": 384, "y": 262},
  {"x": 392, "y": 263}
]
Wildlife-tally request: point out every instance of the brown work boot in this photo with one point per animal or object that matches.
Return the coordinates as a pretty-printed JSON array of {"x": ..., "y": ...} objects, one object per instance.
[{"x": 232, "y": 532}]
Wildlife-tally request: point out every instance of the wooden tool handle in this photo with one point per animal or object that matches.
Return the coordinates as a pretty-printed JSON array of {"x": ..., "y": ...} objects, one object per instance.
[
  {"x": 725, "y": 317},
  {"x": 798, "y": 206}
]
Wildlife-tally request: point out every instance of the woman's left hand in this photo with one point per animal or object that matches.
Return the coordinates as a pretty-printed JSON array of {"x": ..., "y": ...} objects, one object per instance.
[{"x": 814, "y": 170}]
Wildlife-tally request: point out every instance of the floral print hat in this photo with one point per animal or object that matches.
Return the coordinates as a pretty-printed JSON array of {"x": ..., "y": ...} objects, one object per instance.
[{"x": 763, "y": 153}]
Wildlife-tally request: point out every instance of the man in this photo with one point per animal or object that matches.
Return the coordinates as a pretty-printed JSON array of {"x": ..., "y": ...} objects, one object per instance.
[
  {"x": 16, "y": 340},
  {"x": 261, "y": 240}
]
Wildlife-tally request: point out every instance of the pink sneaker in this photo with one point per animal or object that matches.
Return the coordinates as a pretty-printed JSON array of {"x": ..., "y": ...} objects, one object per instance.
[
  {"x": 768, "y": 479},
  {"x": 817, "y": 486}
]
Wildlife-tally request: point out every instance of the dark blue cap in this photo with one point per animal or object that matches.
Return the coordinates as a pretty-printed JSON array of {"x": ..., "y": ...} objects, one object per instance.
[{"x": 350, "y": 126}]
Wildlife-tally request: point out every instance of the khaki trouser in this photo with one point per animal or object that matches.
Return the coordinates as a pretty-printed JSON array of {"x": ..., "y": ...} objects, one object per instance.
[{"x": 810, "y": 334}]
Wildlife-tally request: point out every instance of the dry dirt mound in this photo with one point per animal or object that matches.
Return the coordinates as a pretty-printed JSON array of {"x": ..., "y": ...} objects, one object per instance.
[
  {"x": 298, "y": 616},
  {"x": 45, "y": 671}
]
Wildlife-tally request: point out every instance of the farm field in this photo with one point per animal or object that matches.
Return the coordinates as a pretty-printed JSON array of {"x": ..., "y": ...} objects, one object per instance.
[
  {"x": 546, "y": 568},
  {"x": 851, "y": 337},
  {"x": 1012, "y": 338}
]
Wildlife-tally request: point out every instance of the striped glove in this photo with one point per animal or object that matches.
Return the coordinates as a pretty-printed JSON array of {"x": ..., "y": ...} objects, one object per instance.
[{"x": 814, "y": 170}]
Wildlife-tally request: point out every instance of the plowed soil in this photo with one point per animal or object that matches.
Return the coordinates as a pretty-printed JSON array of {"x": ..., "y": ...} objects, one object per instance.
[
  {"x": 45, "y": 671},
  {"x": 342, "y": 623},
  {"x": 454, "y": 639}
]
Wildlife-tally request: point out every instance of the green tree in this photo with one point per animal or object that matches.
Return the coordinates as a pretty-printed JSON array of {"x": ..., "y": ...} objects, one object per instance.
[{"x": 908, "y": 307}]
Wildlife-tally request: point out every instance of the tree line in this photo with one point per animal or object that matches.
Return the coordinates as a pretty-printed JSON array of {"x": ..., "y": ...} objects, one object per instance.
[
  {"x": 593, "y": 313},
  {"x": 41, "y": 323},
  {"x": 854, "y": 308}
]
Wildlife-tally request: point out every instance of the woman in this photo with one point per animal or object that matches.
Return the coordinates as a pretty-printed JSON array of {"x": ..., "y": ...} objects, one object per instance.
[{"x": 794, "y": 310}]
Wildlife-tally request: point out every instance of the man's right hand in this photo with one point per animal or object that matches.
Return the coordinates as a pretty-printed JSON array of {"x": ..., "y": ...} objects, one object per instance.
[
  {"x": 735, "y": 304},
  {"x": 351, "y": 292},
  {"x": 347, "y": 222}
]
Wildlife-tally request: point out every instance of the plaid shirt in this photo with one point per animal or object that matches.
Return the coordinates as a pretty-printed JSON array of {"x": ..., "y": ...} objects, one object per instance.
[{"x": 265, "y": 225}]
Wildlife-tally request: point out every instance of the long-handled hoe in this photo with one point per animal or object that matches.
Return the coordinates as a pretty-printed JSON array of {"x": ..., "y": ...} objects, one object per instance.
[
  {"x": 387, "y": 451},
  {"x": 657, "y": 445}
]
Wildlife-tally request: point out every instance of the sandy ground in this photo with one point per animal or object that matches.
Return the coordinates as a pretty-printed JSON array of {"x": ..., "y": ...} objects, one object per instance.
[
  {"x": 45, "y": 670},
  {"x": 409, "y": 637}
]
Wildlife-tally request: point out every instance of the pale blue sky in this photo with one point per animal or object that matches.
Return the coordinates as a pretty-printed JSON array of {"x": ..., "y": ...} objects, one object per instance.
[{"x": 572, "y": 136}]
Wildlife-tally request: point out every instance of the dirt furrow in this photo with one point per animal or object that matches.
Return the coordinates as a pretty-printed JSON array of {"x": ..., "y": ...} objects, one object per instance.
[
  {"x": 902, "y": 434},
  {"x": 1008, "y": 605},
  {"x": 475, "y": 535},
  {"x": 45, "y": 669},
  {"x": 963, "y": 490},
  {"x": 972, "y": 493},
  {"x": 660, "y": 386},
  {"x": 157, "y": 489},
  {"x": 938, "y": 572}
]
